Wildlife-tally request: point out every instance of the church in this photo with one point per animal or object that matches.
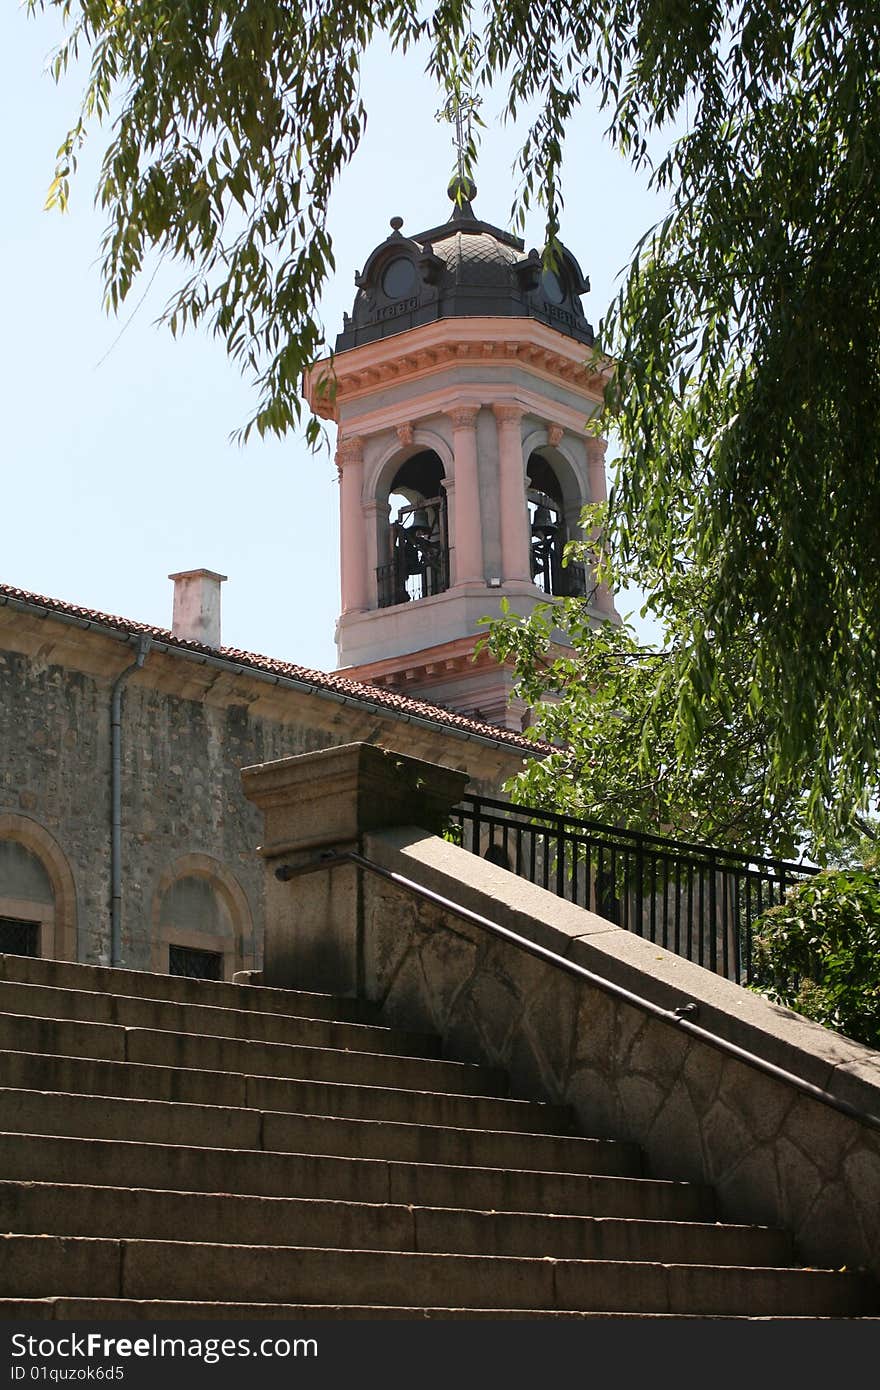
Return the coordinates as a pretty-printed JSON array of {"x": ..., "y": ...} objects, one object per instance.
[
  {"x": 459, "y": 387},
  {"x": 345, "y": 1068}
]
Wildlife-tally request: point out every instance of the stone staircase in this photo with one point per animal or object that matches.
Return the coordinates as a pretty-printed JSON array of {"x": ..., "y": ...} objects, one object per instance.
[{"x": 176, "y": 1148}]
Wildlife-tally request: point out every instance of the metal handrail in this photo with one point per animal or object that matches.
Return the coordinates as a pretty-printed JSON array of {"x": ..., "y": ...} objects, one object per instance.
[
  {"x": 680, "y": 1017},
  {"x": 572, "y": 826}
]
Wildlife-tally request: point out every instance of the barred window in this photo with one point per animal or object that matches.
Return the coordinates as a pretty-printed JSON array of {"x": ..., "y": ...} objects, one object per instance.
[
  {"x": 195, "y": 965},
  {"x": 19, "y": 938}
]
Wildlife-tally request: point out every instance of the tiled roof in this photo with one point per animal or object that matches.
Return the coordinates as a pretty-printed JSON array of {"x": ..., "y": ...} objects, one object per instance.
[{"x": 330, "y": 682}]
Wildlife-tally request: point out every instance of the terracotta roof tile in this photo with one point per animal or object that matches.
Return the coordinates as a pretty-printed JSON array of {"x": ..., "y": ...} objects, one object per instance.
[{"x": 321, "y": 680}]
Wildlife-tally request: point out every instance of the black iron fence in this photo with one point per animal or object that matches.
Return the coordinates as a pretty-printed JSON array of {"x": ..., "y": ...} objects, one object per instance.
[{"x": 696, "y": 900}]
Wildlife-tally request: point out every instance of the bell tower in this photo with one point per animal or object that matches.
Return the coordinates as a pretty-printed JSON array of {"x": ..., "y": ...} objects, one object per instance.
[{"x": 460, "y": 392}]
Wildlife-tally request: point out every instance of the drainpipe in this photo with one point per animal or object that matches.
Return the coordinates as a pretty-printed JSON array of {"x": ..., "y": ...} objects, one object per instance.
[{"x": 116, "y": 800}]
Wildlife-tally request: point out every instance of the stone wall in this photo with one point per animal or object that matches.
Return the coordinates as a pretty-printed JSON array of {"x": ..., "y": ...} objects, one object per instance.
[
  {"x": 772, "y": 1154},
  {"x": 187, "y": 729}
]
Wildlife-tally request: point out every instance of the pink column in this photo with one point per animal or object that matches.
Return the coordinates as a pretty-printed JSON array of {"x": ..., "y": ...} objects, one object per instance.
[
  {"x": 515, "y": 533},
  {"x": 596, "y": 467},
  {"x": 467, "y": 536},
  {"x": 371, "y": 512},
  {"x": 352, "y": 525},
  {"x": 451, "y": 530},
  {"x": 596, "y": 478}
]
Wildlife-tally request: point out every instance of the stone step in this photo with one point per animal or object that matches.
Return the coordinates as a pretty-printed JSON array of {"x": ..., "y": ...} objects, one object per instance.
[
  {"x": 123, "y": 1163},
  {"x": 128, "y": 1309},
  {"x": 169, "y": 1122},
  {"x": 100, "y": 979},
  {"x": 134, "y": 1011},
  {"x": 178, "y": 1270},
  {"x": 64, "y": 1209},
  {"x": 209, "y": 1053},
  {"x": 89, "y": 1076},
  {"x": 135, "y": 1108}
]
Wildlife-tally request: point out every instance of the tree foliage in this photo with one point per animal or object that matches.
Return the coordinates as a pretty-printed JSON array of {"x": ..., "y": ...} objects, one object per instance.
[
  {"x": 819, "y": 951},
  {"x": 617, "y": 717},
  {"x": 746, "y": 335},
  {"x": 611, "y": 709},
  {"x": 232, "y": 120}
]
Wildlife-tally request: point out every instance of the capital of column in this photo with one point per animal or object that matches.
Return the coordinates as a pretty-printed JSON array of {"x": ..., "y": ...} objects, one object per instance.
[
  {"x": 507, "y": 414},
  {"x": 463, "y": 417},
  {"x": 596, "y": 449},
  {"x": 349, "y": 449}
]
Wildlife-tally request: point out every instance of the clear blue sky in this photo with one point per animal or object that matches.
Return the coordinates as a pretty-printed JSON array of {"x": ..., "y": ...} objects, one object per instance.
[{"x": 117, "y": 464}]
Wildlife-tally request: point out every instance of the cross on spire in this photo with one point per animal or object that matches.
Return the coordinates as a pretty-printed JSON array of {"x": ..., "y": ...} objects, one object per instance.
[{"x": 458, "y": 111}]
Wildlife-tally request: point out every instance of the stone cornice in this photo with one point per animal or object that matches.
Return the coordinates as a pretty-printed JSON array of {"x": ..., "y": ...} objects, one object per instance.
[
  {"x": 492, "y": 343},
  {"x": 378, "y": 419},
  {"x": 398, "y": 672}
]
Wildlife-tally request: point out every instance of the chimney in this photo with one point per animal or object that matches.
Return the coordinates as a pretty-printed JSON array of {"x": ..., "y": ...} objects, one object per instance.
[{"x": 197, "y": 606}]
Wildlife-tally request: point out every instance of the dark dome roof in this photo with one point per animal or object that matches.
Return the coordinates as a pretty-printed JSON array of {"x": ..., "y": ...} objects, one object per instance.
[
  {"x": 476, "y": 258},
  {"x": 462, "y": 268}
]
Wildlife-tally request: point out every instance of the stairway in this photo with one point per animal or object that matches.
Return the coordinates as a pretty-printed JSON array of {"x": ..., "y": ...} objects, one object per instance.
[{"x": 177, "y": 1148}]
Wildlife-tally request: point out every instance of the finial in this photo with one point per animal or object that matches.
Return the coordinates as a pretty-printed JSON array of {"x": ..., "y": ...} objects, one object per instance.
[
  {"x": 396, "y": 223},
  {"x": 461, "y": 189}
]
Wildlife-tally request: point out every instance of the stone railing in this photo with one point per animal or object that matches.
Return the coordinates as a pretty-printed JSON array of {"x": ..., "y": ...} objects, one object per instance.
[{"x": 772, "y": 1153}]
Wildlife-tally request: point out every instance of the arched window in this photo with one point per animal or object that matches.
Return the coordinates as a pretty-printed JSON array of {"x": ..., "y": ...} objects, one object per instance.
[
  {"x": 37, "y": 895},
  {"x": 417, "y": 558},
  {"x": 549, "y": 532},
  {"x": 27, "y": 905},
  {"x": 202, "y": 924}
]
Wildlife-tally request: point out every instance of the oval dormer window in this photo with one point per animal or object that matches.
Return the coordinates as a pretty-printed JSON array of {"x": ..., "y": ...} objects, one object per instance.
[
  {"x": 552, "y": 287},
  {"x": 399, "y": 278}
]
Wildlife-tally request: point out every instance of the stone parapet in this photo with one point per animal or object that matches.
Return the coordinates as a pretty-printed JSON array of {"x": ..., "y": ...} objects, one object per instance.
[
  {"x": 324, "y": 801},
  {"x": 333, "y": 796},
  {"x": 773, "y": 1154}
]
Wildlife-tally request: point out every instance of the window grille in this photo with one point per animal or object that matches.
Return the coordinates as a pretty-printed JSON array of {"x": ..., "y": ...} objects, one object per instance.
[
  {"x": 195, "y": 965},
  {"x": 19, "y": 938}
]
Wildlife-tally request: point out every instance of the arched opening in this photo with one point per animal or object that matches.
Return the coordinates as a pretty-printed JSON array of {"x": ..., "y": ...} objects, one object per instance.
[
  {"x": 37, "y": 895},
  {"x": 202, "y": 926},
  {"x": 27, "y": 903},
  {"x": 549, "y": 532},
  {"x": 417, "y": 556}
]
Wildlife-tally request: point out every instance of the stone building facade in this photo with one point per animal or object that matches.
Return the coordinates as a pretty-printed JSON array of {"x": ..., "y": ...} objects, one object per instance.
[{"x": 190, "y": 717}]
